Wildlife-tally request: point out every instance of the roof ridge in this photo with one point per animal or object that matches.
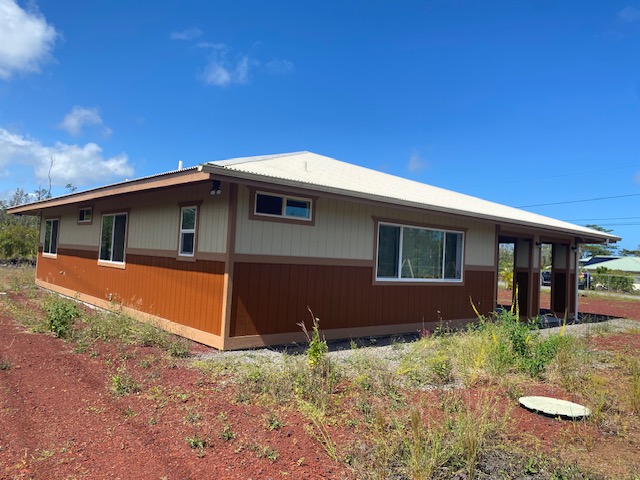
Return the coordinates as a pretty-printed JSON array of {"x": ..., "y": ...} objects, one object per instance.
[{"x": 254, "y": 158}]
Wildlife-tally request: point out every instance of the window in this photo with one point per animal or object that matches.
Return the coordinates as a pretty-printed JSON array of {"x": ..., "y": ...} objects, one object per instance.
[
  {"x": 283, "y": 206},
  {"x": 409, "y": 253},
  {"x": 51, "y": 236},
  {"x": 85, "y": 215},
  {"x": 187, "y": 231},
  {"x": 112, "y": 237}
]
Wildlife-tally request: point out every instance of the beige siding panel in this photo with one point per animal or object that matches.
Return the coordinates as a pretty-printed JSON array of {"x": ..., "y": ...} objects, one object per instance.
[
  {"x": 70, "y": 232},
  {"x": 154, "y": 218},
  {"x": 154, "y": 226},
  {"x": 346, "y": 230},
  {"x": 212, "y": 233}
]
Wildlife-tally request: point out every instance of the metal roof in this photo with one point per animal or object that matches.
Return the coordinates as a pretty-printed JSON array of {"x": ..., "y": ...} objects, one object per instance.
[
  {"x": 623, "y": 264},
  {"x": 318, "y": 172}
]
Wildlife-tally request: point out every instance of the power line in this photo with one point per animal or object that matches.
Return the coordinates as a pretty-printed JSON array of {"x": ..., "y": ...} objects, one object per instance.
[
  {"x": 597, "y": 219},
  {"x": 581, "y": 201}
]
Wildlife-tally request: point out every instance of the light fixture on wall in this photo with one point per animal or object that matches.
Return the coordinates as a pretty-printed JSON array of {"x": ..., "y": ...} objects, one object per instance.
[
  {"x": 215, "y": 187},
  {"x": 538, "y": 244},
  {"x": 574, "y": 247}
]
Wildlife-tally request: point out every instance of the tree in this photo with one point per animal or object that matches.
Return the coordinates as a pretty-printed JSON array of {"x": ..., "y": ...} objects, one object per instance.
[
  {"x": 593, "y": 249},
  {"x": 630, "y": 253},
  {"x": 19, "y": 234}
]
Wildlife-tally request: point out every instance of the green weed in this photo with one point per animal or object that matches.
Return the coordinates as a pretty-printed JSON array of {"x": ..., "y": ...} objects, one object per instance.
[
  {"x": 60, "y": 316},
  {"x": 123, "y": 384}
]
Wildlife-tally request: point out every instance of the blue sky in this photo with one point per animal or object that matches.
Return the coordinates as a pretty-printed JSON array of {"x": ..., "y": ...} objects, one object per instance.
[{"x": 521, "y": 103}]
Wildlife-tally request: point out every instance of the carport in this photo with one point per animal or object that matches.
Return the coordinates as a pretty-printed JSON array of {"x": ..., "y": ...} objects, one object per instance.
[{"x": 527, "y": 267}]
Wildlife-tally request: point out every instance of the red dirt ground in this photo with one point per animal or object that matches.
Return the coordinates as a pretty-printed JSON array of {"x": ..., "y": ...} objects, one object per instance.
[
  {"x": 588, "y": 303},
  {"x": 58, "y": 418}
]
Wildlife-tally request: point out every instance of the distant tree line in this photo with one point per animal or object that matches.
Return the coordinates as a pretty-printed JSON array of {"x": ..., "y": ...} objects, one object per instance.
[{"x": 19, "y": 234}]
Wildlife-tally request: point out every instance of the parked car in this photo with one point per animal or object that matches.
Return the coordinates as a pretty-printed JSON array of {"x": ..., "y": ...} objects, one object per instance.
[
  {"x": 545, "y": 277},
  {"x": 584, "y": 279}
]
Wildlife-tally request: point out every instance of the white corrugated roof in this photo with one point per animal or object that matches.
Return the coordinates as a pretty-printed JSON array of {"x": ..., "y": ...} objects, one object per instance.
[{"x": 317, "y": 172}]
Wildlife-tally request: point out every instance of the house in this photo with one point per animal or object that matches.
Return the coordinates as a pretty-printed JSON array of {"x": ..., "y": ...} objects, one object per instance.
[
  {"x": 231, "y": 253},
  {"x": 630, "y": 265},
  {"x": 594, "y": 260}
]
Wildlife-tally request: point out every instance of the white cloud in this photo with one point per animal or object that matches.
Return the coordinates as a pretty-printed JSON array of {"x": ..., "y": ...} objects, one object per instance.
[
  {"x": 79, "y": 117},
  {"x": 224, "y": 69},
  {"x": 188, "y": 34},
  {"x": 629, "y": 14},
  {"x": 26, "y": 39},
  {"x": 416, "y": 163},
  {"x": 221, "y": 71},
  {"x": 75, "y": 164},
  {"x": 215, "y": 46}
]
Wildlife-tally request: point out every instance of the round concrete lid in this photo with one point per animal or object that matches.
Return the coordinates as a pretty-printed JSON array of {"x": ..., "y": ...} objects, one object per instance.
[{"x": 554, "y": 407}]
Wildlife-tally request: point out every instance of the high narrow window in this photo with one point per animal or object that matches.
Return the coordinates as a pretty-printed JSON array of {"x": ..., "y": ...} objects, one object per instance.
[
  {"x": 85, "y": 215},
  {"x": 188, "y": 220},
  {"x": 51, "y": 236},
  {"x": 408, "y": 253},
  {"x": 272, "y": 205},
  {"x": 112, "y": 237}
]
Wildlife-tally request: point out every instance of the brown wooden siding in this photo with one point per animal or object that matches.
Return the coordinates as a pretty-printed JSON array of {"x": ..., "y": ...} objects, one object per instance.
[
  {"x": 273, "y": 298},
  {"x": 188, "y": 293}
]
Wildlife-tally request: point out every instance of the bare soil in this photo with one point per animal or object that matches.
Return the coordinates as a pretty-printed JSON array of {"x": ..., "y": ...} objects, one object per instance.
[{"x": 59, "y": 418}]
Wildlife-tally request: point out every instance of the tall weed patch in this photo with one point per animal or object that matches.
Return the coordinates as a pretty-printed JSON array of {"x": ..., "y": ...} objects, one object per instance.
[{"x": 60, "y": 316}]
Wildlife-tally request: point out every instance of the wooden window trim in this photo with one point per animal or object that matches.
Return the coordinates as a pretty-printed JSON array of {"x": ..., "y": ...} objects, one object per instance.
[
  {"x": 110, "y": 263},
  {"x": 412, "y": 281},
  {"x": 281, "y": 219},
  {"x": 195, "y": 256},
  {"x": 84, "y": 222},
  {"x": 47, "y": 254}
]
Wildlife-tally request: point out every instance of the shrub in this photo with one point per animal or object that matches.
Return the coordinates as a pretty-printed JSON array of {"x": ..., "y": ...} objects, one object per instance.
[{"x": 60, "y": 316}]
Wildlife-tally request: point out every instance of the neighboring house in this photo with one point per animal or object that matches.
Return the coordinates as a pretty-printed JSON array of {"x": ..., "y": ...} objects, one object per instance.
[
  {"x": 231, "y": 253},
  {"x": 597, "y": 259},
  {"x": 630, "y": 265}
]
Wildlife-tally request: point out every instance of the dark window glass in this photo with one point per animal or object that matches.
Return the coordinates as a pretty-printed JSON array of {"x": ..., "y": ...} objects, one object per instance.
[
  {"x": 118, "y": 238},
  {"x": 268, "y": 204},
  {"x": 106, "y": 238},
  {"x": 298, "y": 208},
  {"x": 51, "y": 237},
  {"x": 421, "y": 253},
  {"x": 388, "y": 251},
  {"x": 453, "y": 256},
  {"x": 114, "y": 231},
  {"x": 187, "y": 243},
  {"x": 189, "y": 218}
]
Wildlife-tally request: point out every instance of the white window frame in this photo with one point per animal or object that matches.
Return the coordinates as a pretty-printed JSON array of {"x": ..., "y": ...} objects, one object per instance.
[
  {"x": 57, "y": 232},
  {"x": 113, "y": 232},
  {"x": 399, "y": 277},
  {"x": 188, "y": 230},
  {"x": 85, "y": 220},
  {"x": 283, "y": 213}
]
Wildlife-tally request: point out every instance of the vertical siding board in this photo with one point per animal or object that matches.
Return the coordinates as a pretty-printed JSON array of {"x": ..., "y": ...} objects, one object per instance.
[
  {"x": 254, "y": 319},
  {"x": 293, "y": 298},
  {"x": 263, "y": 298},
  {"x": 282, "y": 298},
  {"x": 272, "y": 286},
  {"x": 241, "y": 286}
]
